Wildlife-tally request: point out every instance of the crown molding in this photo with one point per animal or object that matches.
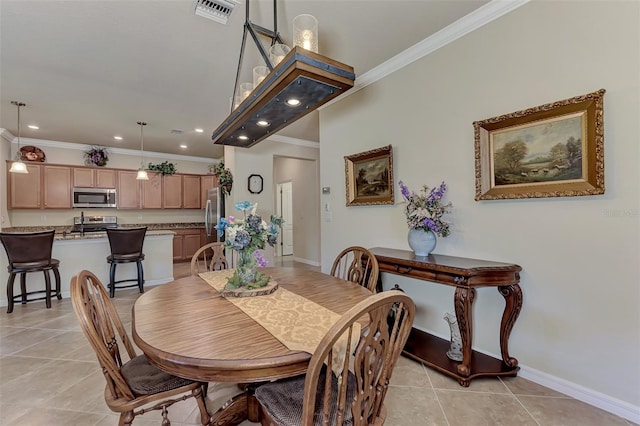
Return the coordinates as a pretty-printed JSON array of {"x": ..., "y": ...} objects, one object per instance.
[
  {"x": 463, "y": 26},
  {"x": 294, "y": 141},
  {"x": 83, "y": 147}
]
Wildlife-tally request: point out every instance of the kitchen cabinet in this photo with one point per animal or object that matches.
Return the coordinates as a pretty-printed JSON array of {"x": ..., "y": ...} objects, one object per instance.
[
  {"x": 87, "y": 177},
  {"x": 172, "y": 192},
  {"x": 25, "y": 191},
  {"x": 152, "y": 191},
  {"x": 57, "y": 187},
  {"x": 128, "y": 190},
  {"x": 190, "y": 191},
  {"x": 44, "y": 187},
  {"x": 186, "y": 242}
]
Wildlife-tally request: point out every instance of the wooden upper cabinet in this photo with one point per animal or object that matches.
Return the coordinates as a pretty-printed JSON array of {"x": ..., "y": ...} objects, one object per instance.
[
  {"x": 190, "y": 192},
  {"x": 128, "y": 190},
  {"x": 206, "y": 183},
  {"x": 152, "y": 191},
  {"x": 85, "y": 177},
  {"x": 25, "y": 188},
  {"x": 172, "y": 192},
  {"x": 57, "y": 187}
]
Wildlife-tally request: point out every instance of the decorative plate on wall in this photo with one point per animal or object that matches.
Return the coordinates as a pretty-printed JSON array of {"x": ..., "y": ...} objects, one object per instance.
[{"x": 32, "y": 153}]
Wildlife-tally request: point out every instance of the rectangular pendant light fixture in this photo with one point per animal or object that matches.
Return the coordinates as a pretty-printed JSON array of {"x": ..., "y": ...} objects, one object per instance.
[{"x": 303, "y": 76}]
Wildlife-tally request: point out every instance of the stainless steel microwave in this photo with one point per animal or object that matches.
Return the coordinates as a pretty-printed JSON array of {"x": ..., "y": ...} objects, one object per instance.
[{"x": 94, "y": 197}]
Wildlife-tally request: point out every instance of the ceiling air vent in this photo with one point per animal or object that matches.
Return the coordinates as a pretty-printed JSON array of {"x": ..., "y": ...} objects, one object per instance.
[{"x": 216, "y": 10}]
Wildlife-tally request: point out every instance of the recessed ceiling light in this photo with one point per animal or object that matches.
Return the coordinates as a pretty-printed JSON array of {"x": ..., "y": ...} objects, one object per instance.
[
  {"x": 263, "y": 123},
  {"x": 118, "y": 138},
  {"x": 293, "y": 102},
  {"x": 33, "y": 126},
  {"x": 183, "y": 146},
  {"x": 199, "y": 130},
  {"x": 243, "y": 137}
]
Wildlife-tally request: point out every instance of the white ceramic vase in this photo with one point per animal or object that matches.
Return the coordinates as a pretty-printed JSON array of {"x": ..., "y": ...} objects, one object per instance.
[{"x": 422, "y": 242}]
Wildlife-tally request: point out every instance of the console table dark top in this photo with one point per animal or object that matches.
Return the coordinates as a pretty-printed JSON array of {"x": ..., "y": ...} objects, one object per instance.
[{"x": 445, "y": 269}]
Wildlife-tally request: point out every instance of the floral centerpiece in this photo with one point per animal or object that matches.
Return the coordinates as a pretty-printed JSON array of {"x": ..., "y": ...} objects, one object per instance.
[
  {"x": 424, "y": 212},
  {"x": 97, "y": 156},
  {"x": 248, "y": 236}
]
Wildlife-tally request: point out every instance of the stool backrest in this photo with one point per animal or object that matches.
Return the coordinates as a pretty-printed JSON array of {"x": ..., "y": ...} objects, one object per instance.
[
  {"x": 126, "y": 240},
  {"x": 27, "y": 247}
]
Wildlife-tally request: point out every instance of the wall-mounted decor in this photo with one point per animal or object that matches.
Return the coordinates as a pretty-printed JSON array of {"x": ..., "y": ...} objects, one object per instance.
[
  {"x": 552, "y": 150},
  {"x": 369, "y": 177},
  {"x": 32, "y": 153}
]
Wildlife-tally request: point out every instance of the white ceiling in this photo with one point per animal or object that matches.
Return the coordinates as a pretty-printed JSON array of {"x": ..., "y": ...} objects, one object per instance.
[{"x": 89, "y": 70}]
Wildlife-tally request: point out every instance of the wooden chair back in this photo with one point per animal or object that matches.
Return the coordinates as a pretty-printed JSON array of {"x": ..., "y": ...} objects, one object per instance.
[
  {"x": 103, "y": 328},
  {"x": 374, "y": 354},
  {"x": 358, "y": 265},
  {"x": 210, "y": 257}
]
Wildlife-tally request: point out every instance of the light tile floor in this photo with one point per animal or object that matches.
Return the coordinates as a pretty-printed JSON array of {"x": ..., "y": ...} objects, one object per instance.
[{"x": 49, "y": 376}]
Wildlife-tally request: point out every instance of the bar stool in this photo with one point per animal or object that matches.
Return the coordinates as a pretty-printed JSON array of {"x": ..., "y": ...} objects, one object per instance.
[
  {"x": 126, "y": 247},
  {"x": 30, "y": 252}
]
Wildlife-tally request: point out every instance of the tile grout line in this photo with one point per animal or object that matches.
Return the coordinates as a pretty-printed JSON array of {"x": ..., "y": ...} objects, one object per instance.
[
  {"x": 433, "y": 389},
  {"x": 519, "y": 402}
]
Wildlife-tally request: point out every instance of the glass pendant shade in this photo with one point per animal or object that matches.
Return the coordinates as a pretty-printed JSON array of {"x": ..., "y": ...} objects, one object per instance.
[
  {"x": 142, "y": 175},
  {"x": 18, "y": 167},
  {"x": 277, "y": 52},
  {"x": 305, "y": 32},
  {"x": 259, "y": 74},
  {"x": 245, "y": 90}
]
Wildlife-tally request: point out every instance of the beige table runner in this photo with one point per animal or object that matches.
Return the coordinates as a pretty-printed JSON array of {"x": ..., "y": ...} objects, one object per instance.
[{"x": 296, "y": 321}]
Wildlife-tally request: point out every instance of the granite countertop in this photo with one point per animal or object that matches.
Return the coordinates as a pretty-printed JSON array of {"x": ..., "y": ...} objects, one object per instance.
[
  {"x": 64, "y": 232},
  {"x": 93, "y": 235}
]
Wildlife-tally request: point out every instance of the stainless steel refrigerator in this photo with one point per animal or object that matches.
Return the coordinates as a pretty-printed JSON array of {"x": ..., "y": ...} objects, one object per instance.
[{"x": 214, "y": 210}]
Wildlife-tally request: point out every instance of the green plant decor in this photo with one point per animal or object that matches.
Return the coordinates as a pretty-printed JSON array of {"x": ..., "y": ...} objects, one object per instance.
[
  {"x": 224, "y": 177},
  {"x": 165, "y": 168}
]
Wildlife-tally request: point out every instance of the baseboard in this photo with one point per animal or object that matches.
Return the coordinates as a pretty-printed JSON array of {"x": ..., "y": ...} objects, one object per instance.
[
  {"x": 307, "y": 261},
  {"x": 589, "y": 396}
]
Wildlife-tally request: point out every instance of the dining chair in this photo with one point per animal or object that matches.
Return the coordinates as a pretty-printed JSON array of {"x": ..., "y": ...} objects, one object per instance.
[
  {"x": 30, "y": 252},
  {"x": 355, "y": 395},
  {"x": 126, "y": 247},
  {"x": 209, "y": 257},
  {"x": 136, "y": 382},
  {"x": 358, "y": 265}
]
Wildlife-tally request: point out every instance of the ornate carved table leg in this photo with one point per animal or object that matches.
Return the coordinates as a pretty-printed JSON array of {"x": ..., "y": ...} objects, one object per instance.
[
  {"x": 233, "y": 412},
  {"x": 463, "y": 301},
  {"x": 513, "y": 304}
]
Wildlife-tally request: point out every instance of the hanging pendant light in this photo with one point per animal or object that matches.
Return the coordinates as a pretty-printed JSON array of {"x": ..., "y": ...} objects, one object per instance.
[
  {"x": 18, "y": 166},
  {"x": 142, "y": 173}
]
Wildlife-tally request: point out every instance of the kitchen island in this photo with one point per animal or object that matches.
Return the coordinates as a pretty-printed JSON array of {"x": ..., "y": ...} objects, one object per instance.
[{"x": 89, "y": 251}]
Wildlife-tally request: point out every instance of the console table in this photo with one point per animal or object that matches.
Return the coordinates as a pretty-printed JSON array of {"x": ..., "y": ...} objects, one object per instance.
[{"x": 465, "y": 275}]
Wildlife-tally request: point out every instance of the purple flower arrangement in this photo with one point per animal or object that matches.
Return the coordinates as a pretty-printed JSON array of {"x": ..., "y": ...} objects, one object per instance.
[
  {"x": 97, "y": 156},
  {"x": 424, "y": 210}
]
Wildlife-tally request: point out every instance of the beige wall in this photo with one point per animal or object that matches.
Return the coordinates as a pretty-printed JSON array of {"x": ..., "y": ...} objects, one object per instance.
[
  {"x": 259, "y": 159},
  {"x": 303, "y": 175},
  {"x": 580, "y": 323},
  {"x": 73, "y": 154}
]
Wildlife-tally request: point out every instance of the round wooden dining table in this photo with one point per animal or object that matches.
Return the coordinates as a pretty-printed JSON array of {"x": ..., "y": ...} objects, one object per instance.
[{"x": 187, "y": 329}]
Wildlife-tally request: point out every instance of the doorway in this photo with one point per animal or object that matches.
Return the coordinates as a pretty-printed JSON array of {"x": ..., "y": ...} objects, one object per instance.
[{"x": 284, "y": 207}]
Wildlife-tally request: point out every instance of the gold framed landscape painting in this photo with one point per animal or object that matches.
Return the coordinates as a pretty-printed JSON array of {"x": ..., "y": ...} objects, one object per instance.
[
  {"x": 552, "y": 150},
  {"x": 369, "y": 177}
]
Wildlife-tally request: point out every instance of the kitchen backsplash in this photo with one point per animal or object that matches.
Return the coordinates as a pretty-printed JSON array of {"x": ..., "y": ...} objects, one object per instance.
[{"x": 65, "y": 217}]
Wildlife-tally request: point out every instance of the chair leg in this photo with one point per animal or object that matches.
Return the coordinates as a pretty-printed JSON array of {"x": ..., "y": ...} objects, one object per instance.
[
  {"x": 112, "y": 280},
  {"x": 47, "y": 288},
  {"x": 126, "y": 418},
  {"x": 56, "y": 274},
  {"x": 199, "y": 394},
  {"x": 10, "y": 281},
  {"x": 140, "y": 276},
  {"x": 23, "y": 287}
]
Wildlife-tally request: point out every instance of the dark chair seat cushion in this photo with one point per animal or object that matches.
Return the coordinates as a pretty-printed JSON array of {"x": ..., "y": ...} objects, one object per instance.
[
  {"x": 132, "y": 257},
  {"x": 146, "y": 379},
  {"x": 283, "y": 399},
  {"x": 35, "y": 266}
]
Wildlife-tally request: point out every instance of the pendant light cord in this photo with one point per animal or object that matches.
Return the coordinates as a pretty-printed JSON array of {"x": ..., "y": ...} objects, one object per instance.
[
  {"x": 18, "y": 104},
  {"x": 142, "y": 124}
]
